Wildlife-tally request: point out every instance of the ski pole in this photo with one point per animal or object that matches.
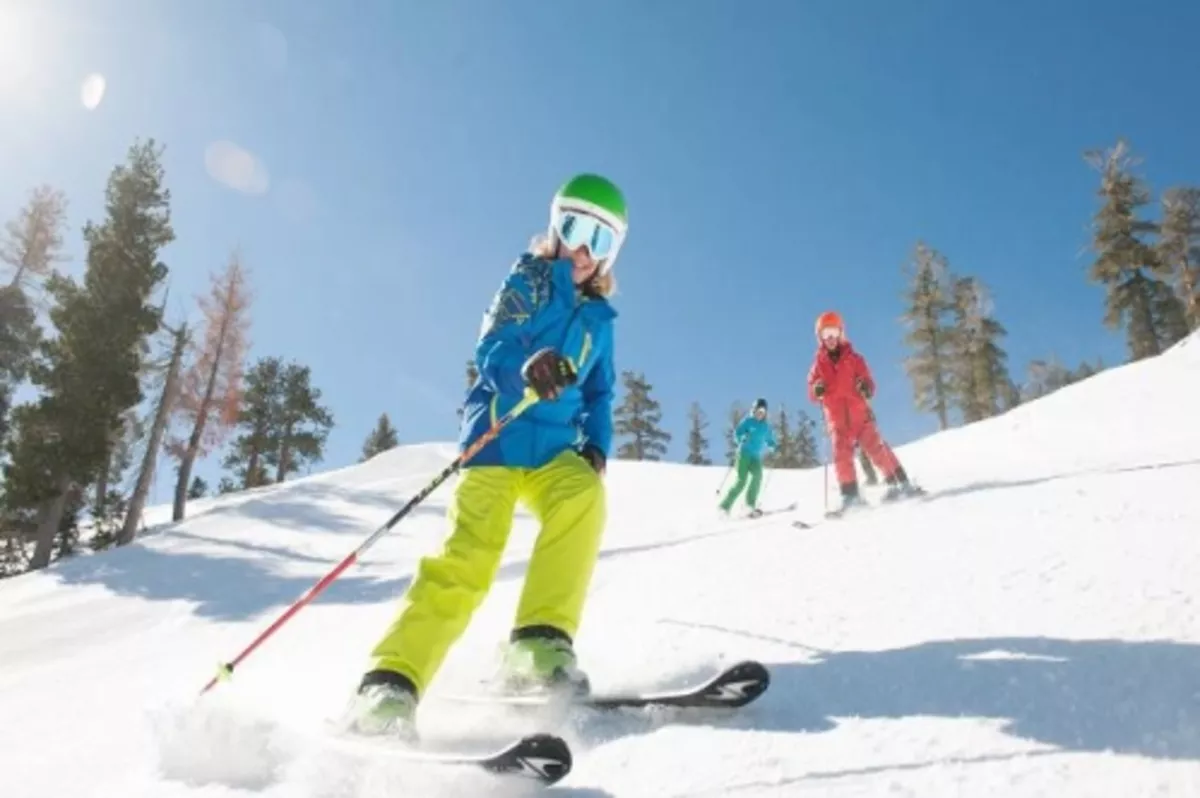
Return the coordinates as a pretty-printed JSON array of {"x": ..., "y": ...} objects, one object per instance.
[{"x": 225, "y": 671}]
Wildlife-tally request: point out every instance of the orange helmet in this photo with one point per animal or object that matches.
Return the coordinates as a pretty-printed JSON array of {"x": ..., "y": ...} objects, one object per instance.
[{"x": 829, "y": 320}]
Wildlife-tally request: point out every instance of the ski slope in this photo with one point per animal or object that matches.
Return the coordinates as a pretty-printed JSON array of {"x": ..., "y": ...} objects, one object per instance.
[{"x": 1032, "y": 628}]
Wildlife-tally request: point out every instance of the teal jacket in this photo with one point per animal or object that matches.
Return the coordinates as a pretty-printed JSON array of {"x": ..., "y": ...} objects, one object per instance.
[{"x": 754, "y": 438}]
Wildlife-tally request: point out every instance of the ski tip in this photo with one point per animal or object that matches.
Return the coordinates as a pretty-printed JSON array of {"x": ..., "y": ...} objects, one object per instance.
[{"x": 543, "y": 757}]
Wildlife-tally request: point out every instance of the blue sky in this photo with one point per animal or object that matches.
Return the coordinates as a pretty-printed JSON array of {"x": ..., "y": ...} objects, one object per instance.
[{"x": 780, "y": 159}]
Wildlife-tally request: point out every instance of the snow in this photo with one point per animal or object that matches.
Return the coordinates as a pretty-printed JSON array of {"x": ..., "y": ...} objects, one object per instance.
[{"x": 1032, "y": 628}]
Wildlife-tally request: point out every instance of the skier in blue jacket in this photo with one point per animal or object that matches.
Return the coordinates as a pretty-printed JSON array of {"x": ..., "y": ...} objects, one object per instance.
[
  {"x": 549, "y": 328},
  {"x": 754, "y": 439}
]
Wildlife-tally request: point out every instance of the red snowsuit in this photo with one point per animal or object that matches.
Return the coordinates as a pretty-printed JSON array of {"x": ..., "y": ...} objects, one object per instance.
[{"x": 848, "y": 384}]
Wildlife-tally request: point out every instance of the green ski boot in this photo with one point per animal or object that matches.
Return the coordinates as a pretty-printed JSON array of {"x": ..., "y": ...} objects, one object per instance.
[
  {"x": 384, "y": 706},
  {"x": 540, "y": 659}
]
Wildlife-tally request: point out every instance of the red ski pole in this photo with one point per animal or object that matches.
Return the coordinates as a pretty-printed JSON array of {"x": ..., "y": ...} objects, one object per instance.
[{"x": 225, "y": 671}]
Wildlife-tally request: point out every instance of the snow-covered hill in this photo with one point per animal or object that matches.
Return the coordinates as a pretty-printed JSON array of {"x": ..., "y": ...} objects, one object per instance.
[{"x": 1032, "y": 628}]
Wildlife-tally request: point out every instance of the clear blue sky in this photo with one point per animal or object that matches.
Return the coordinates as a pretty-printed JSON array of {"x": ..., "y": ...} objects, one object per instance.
[{"x": 780, "y": 158}]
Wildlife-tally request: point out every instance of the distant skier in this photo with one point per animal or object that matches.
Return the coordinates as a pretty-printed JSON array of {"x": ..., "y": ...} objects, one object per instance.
[
  {"x": 552, "y": 311},
  {"x": 754, "y": 439},
  {"x": 841, "y": 382}
]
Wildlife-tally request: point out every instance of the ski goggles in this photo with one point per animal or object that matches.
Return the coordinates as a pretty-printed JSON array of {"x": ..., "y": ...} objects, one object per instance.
[
  {"x": 830, "y": 333},
  {"x": 576, "y": 229}
]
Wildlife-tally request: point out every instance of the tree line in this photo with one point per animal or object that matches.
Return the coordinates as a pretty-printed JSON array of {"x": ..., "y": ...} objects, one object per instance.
[
  {"x": 114, "y": 382},
  {"x": 1148, "y": 269}
]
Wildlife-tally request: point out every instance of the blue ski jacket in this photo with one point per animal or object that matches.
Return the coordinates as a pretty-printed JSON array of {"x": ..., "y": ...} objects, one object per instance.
[
  {"x": 537, "y": 306},
  {"x": 754, "y": 438}
]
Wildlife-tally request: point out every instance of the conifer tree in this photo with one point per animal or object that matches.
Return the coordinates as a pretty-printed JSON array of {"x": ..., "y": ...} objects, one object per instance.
[
  {"x": 1128, "y": 267},
  {"x": 382, "y": 438},
  {"x": 32, "y": 242},
  {"x": 210, "y": 392},
  {"x": 638, "y": 417},
  {"x": 472, "y": 377},
  {"x": 787, "y": 451},
  {"x": 89, "y": 374},
  {"x": 736, "y": 413},
  {"x": 697, "y": 440},
  {"x": 928, "y": 367},
  {"x": 978, "y": 370},
  {"x": 198, "y": 489},
  {"x": 283, "y": 424},
  {"x": 1179, "y": 248},
  {"x": 808, "y": 453},
  {"x": 30, "y": 246}
]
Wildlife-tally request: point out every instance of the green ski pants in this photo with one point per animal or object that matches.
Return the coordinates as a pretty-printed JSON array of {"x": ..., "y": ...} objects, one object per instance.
[{"x": 748, "y": 470}]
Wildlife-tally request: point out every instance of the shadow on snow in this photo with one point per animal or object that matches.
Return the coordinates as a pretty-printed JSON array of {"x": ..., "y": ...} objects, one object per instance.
[{"x": 1120, "y": 696}]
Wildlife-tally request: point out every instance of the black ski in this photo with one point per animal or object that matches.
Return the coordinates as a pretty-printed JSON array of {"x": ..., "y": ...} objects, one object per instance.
[
  {"x": 544, "y": 758},
  {"x": 732, "y": 686}
]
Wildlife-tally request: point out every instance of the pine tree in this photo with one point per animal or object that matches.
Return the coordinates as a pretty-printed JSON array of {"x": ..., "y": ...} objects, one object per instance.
[
  {"x": 978, "y": 370},
  {"x": 639, "y": 416},
  {"x": 198, "y": 489},
  {"x": 283, "y": 424},
  {"x": 31, "y": 245},
  {"x": 736, "y": 413},
  {"x": 787, "y": 451},
  {"x": 1179, "y": 248},
  {"x": 89, "y": 374},
  {"x": 808, "y": 453},
  {"x": 382, "y": 438},
  {"x": 928, "y": 367},
  {"x": 697, "y": 441},
  {"x": 1128, "y": 267},
  {"x": 33, "y": 242},
  {"x": 211, "y": 388}
]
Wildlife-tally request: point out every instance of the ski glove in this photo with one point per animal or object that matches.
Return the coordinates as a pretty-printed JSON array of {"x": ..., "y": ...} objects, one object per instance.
[
  {"x": 595, "y": 458},
  {"x": 547, "y": 373},
  {"x": 863, "y": 388},
  {"x": 819, "y": 389}
]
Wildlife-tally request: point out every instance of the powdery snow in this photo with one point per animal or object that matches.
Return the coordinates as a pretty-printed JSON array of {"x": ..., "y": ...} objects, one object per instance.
[{"x": 1030, "y": 629}]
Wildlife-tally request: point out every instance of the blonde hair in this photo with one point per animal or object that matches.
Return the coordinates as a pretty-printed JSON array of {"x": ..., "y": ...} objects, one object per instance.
[{"x": 602, "y": 283}]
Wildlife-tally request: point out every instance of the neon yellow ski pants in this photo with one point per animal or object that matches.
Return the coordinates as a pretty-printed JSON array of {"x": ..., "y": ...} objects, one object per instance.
[{"x": 568, "y": 499}]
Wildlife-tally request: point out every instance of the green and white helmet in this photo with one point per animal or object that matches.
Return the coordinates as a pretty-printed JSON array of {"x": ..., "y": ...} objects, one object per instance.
[{"x": 590, "y": 210}]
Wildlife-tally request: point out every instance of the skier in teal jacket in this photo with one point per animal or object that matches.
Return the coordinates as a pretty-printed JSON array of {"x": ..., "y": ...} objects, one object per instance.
[{"x": 754, "y": 439}]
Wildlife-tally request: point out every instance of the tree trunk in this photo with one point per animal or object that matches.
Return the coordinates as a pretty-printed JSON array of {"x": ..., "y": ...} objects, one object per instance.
[
  {"x": 193, "y": 447},
  {"x": 285, "y": 452},
  {"x": 50, "y": 515},
  {"x": 138, "y": 501}
]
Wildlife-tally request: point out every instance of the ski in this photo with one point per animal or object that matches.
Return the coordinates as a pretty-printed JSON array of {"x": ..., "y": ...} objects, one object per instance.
[
  {"x": 731, "y": 687},
  {"x": 543, "y": 758}
]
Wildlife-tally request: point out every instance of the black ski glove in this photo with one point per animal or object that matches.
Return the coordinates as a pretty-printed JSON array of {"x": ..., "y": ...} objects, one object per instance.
[
  {"x": 595, "y": 458},
  {"x": 548, "y": 372},
  {"x": 819, "y": 390},
  {"x": 863, "y": 388}
]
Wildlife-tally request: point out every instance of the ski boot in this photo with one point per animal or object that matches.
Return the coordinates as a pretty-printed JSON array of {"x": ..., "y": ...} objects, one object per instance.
[
  {"x": 755, "y": 512},
  {"x": 385, "y": 705},
  {"x": 541, "y": 659},
  {"x": 851, "y": 500},
  {"x": 898, "y": 487}
]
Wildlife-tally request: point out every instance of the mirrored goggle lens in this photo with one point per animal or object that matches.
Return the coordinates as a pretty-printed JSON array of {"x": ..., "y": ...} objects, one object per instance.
[
  {"x": 578, "y": 229},
  {"x": 830, "y": 333}
]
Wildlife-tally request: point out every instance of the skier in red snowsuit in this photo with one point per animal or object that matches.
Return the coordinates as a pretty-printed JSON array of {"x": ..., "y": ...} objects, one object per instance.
[{"x": 841, "y": 382}]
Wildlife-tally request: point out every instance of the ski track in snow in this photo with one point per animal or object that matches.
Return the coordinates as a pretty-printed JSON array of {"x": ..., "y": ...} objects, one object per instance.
[{"x": 1028, "y": 629}]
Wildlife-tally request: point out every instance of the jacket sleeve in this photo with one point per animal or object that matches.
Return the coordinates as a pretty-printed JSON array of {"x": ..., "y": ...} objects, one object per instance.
[
  {"x": 814, "y": 375},
  {"x": 597, "y": 392},
  {"x": 863, "y": 372},
  {"x": 739, "y": 432},
  {"x": 504, "y": 338}
]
